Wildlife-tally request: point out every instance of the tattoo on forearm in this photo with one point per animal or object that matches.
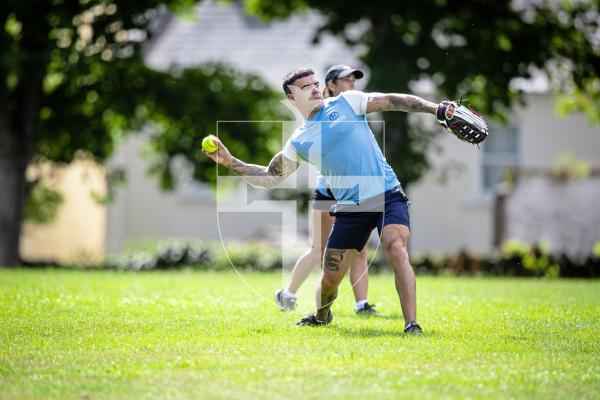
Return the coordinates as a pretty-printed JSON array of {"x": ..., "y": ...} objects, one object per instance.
[
  {"x": 333, "y": 259},
  {"x": 279, "y": 168},
  {"x": 410, "y": 103},
  {"x": 399, "y": 102}
]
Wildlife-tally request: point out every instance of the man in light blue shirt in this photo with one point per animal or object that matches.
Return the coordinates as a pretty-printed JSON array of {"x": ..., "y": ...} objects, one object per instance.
[
  {"x": 336, "y": 138},
  {"x": 338, "y": 141}
]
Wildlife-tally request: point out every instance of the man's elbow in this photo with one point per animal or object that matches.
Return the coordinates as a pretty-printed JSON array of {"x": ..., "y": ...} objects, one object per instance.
[{"x": 272, "y": 182}]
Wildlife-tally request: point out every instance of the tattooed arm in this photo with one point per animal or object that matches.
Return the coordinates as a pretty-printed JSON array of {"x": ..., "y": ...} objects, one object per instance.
[
  {"x": 278, "y": 169},
  {"x": 399, "y": 102}
]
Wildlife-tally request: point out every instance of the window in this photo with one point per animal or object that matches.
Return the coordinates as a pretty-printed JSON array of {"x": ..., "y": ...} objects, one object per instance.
[{"x": 500, "y": 156}]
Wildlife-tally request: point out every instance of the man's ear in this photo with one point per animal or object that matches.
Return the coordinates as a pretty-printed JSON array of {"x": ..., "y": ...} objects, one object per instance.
[{"x": 295, "y": 90}]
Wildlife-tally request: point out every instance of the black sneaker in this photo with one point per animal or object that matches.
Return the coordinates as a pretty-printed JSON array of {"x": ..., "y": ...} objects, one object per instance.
[
  {"x": 366, "y": 309},
  {"x": 413, "y": 328},
  {"x": 311, "y": 320}
]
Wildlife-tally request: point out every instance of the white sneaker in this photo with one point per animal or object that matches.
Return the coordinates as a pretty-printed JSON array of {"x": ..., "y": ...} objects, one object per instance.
[{"x": 285, "y": 303}]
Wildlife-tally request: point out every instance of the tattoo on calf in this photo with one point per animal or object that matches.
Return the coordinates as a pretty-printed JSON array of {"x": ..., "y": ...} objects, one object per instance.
[{"x": 328, "y": 299}]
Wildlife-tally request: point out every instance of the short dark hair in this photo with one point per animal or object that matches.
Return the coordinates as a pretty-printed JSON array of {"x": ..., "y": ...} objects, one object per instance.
[{"x": 293, "y": 76}]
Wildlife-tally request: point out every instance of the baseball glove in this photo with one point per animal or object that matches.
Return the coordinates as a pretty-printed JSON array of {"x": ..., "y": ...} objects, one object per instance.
[{"x": 462, "y": 122}]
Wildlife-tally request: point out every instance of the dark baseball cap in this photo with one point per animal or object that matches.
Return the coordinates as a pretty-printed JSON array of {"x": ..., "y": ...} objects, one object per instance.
[{"x": 342, "y": 71}]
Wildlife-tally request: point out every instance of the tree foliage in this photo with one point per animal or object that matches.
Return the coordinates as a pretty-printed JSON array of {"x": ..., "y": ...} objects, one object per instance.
[
  {"x": 73, "y": 80},
  {"x": 471, "y": 47},
  {"x": 95, "y": 86}
]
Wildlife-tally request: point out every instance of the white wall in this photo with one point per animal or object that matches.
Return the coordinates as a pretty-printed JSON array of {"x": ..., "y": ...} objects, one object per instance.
[
  {"x": 142, "y": 211},
  {"x": 563, "y": 214},
  {"x": 76, "y": 236},
  {"x": 446, "y": 212},
  {"x": 546, "y": 136},
  {"x": 453, "y": 215}
]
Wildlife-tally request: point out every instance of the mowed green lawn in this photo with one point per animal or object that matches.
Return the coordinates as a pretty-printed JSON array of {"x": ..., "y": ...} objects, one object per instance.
[{"x": 117, "y": 335}]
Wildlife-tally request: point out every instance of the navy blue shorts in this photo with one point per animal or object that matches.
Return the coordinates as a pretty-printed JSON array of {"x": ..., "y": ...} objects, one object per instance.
[{"x": 351, "y": 230}]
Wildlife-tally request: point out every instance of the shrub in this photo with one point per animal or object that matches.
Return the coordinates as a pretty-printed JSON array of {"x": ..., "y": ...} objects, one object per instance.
[{"x": 515, "y": 258}]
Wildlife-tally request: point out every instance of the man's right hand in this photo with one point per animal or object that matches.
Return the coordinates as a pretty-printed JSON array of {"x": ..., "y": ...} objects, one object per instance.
[{"x": 221, "y": 155}]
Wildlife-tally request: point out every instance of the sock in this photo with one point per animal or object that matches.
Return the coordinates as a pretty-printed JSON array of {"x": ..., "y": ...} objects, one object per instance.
[
  {"x": 287, "y": 293},
  {"x": 360, "y": 304}
]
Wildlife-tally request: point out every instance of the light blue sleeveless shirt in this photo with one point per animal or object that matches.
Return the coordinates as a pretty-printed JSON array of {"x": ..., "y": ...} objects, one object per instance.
[{"x": 338, "y": 141}]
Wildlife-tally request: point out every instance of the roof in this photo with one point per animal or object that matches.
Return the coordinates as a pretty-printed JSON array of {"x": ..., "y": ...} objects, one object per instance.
[{"x": 224, "y": 33}]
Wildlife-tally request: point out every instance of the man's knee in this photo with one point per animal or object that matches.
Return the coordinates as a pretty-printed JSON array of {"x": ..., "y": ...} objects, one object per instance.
[
  {"x": 395, "y": 243},
  {"x": 337, "y": 261},
  {"x": 395, "y": 235},
  {"x": 397, "y": 248}
]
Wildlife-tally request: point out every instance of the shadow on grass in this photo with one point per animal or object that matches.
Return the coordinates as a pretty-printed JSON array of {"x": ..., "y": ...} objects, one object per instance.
[
  {"x": 378, "y": 316},
  {"x": 375, "y": 331}
]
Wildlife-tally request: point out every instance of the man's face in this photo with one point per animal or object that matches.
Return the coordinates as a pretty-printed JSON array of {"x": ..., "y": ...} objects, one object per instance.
[{"x": 306, "y": 93}]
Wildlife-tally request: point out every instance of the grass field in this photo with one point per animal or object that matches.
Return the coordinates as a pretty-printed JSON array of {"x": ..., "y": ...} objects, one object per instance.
[{"x": 111, "y": 335}]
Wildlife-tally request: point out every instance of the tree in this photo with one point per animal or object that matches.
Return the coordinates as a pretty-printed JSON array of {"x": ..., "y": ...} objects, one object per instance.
[
  {"x": 73, "y": 81},
  {"x": 470, "y": 47}
]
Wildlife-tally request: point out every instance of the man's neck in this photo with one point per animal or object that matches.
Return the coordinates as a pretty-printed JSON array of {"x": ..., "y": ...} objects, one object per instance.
[{"x": 310, "y": 114}]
